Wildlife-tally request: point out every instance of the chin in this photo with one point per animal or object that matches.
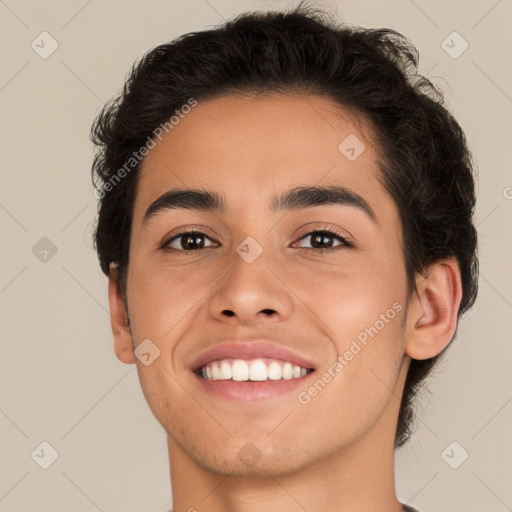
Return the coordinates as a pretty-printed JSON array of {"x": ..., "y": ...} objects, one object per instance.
[{"x": 245, "y": 460}]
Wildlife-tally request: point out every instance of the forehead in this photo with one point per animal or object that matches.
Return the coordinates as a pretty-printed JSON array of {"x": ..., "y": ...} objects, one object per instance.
[{"x": 251, "y": 148}]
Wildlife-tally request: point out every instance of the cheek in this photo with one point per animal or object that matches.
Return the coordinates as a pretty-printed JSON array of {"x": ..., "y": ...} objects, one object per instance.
[
  {"x": 356, "y": 388},
  {"x": 365, "y": 326},
  {"x": 159, "y": 297},
  {"x": 363, "y": 309},
  {"x": 355, "y": 295}
]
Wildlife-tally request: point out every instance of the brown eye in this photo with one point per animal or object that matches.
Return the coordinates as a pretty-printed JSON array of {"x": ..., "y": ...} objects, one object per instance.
[
  {"x": 189, "y": 241},
  {"x": 325, "y": 240}
]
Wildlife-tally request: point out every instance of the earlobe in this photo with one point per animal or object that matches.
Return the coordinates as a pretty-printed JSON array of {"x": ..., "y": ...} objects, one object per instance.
[
  {"x": 432, "y": 321},
  {"x": 119, "y": 319}
]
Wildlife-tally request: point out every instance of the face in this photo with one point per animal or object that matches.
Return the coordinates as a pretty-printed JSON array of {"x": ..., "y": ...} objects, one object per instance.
[{"x": 268, "y": 280}]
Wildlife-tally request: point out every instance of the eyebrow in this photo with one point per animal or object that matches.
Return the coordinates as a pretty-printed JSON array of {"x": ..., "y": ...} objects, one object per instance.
[{"x": 293, "y": 199}]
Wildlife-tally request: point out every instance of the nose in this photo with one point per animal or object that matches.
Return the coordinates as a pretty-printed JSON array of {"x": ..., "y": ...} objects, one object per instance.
[{"x": 251, "y": 293}]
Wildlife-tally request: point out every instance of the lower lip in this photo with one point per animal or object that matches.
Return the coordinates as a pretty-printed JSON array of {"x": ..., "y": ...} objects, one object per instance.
[{"x": 248, "y": 391}]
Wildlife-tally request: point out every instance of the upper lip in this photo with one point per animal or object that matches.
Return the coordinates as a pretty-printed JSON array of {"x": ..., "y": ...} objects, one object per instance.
[{"x": 253, "y": 349}]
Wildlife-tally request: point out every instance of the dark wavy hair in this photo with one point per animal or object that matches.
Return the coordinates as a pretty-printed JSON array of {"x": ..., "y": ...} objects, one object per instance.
[{"x": 424, "y": 159}]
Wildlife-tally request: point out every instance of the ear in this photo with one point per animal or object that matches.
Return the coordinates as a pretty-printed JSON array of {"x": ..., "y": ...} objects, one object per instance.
[
  {"x": 432, "y": 318},
  {"x": 119, "y": 319}
]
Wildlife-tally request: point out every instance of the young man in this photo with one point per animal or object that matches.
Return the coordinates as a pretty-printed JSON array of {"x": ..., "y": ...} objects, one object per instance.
[{"x": 285, "y": 220}]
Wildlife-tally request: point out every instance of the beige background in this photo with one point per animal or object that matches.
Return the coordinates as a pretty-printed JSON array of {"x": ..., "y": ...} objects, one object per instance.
[{"x": 59, "y": 379}]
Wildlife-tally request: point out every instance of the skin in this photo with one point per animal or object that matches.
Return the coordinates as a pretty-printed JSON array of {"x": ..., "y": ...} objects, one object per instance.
[{"x": 335, "y": 453}]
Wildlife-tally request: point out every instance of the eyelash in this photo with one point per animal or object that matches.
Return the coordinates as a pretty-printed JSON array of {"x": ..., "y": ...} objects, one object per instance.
[{"x": 345, "y": 243}]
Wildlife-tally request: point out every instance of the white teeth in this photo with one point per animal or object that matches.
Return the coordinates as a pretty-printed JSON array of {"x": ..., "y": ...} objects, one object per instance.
[
  {"x": 225, "y": 371},
  {"x": 254, "y": 370},
  {"x": 274, "y": 371},
  {"x": 240, "y": 370},
  {"x": 287, "y": 371},
  {"x": 258, "y": 371}
]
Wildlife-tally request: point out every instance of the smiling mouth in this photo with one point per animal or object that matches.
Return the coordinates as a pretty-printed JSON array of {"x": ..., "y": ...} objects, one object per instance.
[{"x": 251, "y": 370}]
